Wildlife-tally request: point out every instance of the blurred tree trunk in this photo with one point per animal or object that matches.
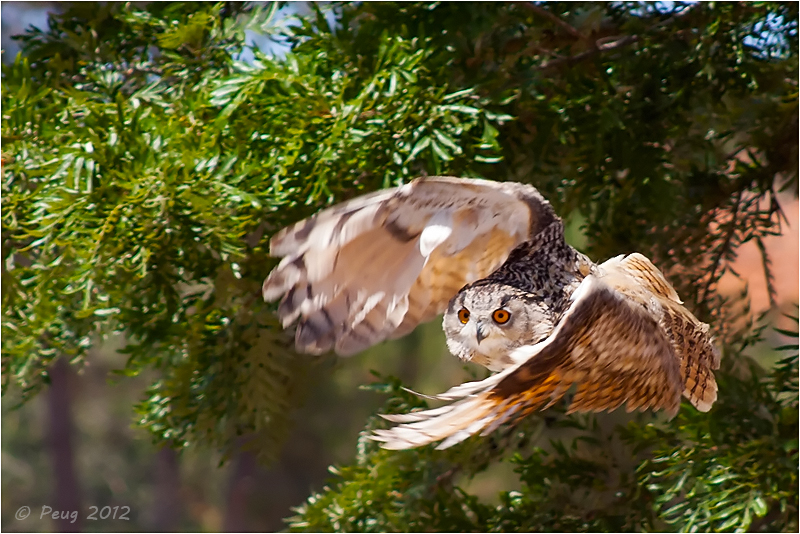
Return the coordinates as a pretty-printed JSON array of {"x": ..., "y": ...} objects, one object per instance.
[
  {"x": 67, "y": 491},
  {"x": 239, "y": 492},
  {"x": 167, "y": 504}
]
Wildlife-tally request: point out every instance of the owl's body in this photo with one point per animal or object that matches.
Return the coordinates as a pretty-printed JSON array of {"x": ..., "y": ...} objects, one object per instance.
[{"x": 516, "y": 299}]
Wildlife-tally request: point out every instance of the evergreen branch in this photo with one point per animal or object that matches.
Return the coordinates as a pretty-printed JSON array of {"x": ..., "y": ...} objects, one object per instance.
[
  {"x": 712, "y": 276},
  {"x": 769, "y": 278}
]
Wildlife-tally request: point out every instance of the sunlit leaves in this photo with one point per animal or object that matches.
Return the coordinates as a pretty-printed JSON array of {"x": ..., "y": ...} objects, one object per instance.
[{"x": 146, "y": 173}]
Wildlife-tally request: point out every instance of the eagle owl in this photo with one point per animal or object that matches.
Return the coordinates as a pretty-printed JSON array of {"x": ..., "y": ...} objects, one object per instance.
[{"x": 516, "y": 299}]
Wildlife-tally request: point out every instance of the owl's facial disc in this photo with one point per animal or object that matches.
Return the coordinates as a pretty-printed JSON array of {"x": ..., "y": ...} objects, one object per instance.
[{"x": 484, "y": 324}]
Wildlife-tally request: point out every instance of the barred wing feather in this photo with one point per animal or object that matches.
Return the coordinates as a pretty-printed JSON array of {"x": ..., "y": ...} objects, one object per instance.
[{"x": 375, "y": 267}]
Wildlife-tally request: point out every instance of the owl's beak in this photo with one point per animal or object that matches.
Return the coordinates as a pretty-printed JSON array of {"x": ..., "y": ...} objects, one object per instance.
[{"x": 480, "y": 333}]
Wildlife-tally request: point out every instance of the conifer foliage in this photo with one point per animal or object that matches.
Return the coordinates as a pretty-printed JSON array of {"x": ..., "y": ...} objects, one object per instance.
[{"x": 149, "y": 152}]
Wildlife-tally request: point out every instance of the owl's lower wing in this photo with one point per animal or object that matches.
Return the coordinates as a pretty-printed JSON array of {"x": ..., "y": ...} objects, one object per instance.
[
  {"x": 610, "y": 347},
  {"x": 690, "y": 338},
  {"x": 377, "y": 266}
]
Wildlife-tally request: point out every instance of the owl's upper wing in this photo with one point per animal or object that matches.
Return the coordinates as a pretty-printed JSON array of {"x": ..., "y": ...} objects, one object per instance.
[
  {"x": 377, "y": 266},
  {"x": 608, "y": 345}
]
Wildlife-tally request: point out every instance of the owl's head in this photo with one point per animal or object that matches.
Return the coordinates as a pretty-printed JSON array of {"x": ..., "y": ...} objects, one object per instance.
[{"x": 485, "y": 322}]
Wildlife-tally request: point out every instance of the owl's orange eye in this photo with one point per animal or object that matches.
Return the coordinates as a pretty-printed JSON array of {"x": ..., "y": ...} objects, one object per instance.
[
  {"x": 501, "y": 316},
  {"x": 463, "y": 315}
]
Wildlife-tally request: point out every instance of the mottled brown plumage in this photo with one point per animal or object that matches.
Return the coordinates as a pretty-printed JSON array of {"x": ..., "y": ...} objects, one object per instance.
[{"x": 516, "y": 298}]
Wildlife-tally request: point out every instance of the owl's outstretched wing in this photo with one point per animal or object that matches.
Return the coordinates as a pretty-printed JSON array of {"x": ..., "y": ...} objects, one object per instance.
[
  {"x": 690, "y": 337},
  {"x": 375, "y": 267},
  {"x": 607, "y": 344}
]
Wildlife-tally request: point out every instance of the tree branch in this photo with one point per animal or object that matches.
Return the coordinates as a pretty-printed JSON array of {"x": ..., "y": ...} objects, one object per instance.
[
  {"x": 599, "y": 46},
  {"x": 557, "y": 21},
  {"x": 597, "y": 49}
]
